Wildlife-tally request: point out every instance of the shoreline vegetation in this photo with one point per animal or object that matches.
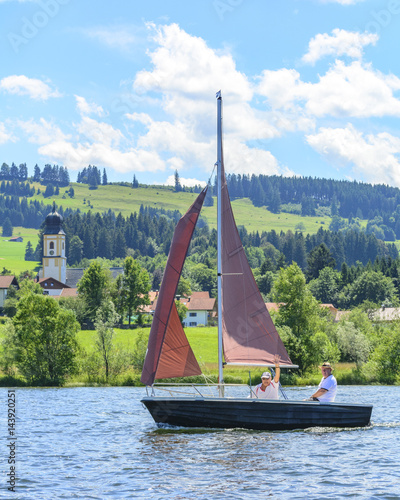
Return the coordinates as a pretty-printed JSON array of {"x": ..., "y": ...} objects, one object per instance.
[{"x": 130, "y": 346}]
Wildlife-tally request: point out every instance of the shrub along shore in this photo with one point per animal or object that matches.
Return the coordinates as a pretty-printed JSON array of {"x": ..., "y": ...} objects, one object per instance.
[{"x": 129, "y": 347}]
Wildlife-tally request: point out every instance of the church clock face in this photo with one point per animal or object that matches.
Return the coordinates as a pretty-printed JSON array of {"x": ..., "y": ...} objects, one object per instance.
[{"x": 51, "y": 252}]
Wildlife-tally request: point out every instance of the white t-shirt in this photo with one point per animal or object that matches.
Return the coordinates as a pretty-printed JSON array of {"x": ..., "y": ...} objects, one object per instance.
[
  {"x": 330, "y": 384},
  {"x": 271, "y": 392}
]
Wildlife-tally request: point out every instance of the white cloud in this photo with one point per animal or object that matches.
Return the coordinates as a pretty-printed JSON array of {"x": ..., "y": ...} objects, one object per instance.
[
  {"x": 239, "y": 159},
  {"x": 5, "y": 135},
  {"x": 375, "y": 157},
  {"x": 184, "y": 182},
  {"x": 345, "y": 90},
  {"x": 354, "y": 90},
  {"x": 32, "y": 87},
  {"x": 99, "y": 132},
  {"x": 86, "y": 108},
  {"x": 80, "y": 155},
  {"x": 282, "y": 87},
  {"x": 187, "y": 73},
  {"x": 342, "y": 2},
  {"x": 341, "y": 43},
  {"x": 143, "y": 118},
  {"x": 118, "y": 37},
  {"x": 42, "y": 132},
  {"x": 94, "y": 143}
]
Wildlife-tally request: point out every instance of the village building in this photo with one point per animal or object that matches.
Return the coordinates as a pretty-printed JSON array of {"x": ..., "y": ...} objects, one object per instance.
[
  {"x": 52, "y": 286},
  {"x": 59, "y": 281},
  {"x": 5, "y": 283},
  {"x": 201, "y": 308},
  {"x": 336, "y": 314},
  {"x": 54, "y": 248},
  {"x": 54, "y": 275},
  {"x": 386, "y": 314}
]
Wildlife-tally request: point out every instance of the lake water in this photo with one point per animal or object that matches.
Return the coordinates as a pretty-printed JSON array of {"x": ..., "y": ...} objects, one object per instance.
[{"x": 100, "y": 443}]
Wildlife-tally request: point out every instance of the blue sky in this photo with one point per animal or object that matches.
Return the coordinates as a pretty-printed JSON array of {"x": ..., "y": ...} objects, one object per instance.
[{"x": 310, "y": 87}]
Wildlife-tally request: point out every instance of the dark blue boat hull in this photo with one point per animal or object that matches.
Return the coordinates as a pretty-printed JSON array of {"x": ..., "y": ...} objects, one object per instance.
[{"x": 258, "y": 414}]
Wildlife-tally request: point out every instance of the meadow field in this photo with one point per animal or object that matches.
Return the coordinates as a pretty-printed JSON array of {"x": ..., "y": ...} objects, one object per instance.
[
  {"x": 204, "y": 342},
  {"x": 126, "y": 200},
  {"x": 12, "y": 254}
]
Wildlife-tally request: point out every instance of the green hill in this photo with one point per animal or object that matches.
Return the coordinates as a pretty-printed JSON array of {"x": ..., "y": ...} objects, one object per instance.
[
  {"x": 12, "y": 254},
  {"x": 126, "y": 200}
]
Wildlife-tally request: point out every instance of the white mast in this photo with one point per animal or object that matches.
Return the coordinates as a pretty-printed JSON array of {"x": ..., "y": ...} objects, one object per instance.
[{"x": 219, "y": 247}]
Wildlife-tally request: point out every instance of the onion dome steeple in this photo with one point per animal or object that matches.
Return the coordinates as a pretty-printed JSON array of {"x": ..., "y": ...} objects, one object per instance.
[{"x": 54, "y": 222}]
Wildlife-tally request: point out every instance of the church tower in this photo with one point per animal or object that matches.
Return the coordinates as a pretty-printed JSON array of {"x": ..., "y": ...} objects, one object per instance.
[{"x": 54, "y": 259}]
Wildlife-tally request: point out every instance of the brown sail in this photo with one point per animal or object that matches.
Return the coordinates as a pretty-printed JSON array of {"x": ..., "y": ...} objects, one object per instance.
[
  {"x": 169, "y": 353},
  {"x": 248, "y": 333}
]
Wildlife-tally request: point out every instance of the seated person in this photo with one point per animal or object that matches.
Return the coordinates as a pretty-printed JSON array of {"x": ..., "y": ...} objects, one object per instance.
[
  {"x": 269, "y": 389},
  {"x": 326, "y": 391}
]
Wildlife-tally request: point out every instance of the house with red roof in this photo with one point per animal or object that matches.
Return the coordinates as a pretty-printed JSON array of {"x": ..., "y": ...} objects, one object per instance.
[
  {"x": 201, "y": 307},
  {"x": 51, "y": 286},
  {"x": 5, "y": 283}
]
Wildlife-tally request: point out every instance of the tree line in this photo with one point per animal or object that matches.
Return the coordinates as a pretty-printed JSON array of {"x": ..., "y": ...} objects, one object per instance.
[
  {"x": 346, "y": 199},
  {"x": 106, "y": 235},
  {"x": 91, "y": 175},
  {"x": 26, "y": 213},
  {"x": 40, "y": 338},
  {"x": 311, "y": 334},
  {"x": 41, "y": 333}
]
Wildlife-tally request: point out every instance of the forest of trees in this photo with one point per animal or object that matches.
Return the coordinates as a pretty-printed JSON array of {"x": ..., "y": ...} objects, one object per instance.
[
  {"x": 26, "y": 213},
  {"x": 147, "y": 234},
  {"x": 92, "y": 176},
  {"x": 351, "y": 199},
  {"x": 352, "y": 265}
]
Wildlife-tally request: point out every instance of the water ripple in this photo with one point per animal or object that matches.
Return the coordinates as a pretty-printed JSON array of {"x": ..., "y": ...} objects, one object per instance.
[{"x": 100, "y": 443}]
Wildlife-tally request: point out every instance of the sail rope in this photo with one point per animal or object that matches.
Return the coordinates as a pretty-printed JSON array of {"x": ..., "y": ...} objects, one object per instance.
[
  {"x": 285, "y": 396},
  {"x": 212, "y": 173}
]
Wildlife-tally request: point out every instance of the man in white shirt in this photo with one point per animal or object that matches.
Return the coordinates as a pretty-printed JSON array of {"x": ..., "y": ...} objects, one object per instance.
[
  {"x": 269, "y": 389},
  {"x": 326, "y": 391}
]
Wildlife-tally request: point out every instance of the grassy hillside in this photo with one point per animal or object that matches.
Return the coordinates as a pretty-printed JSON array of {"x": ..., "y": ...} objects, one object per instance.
[
  {"x": 127, "y": 200},
  {"x": 12, "y": 255}
]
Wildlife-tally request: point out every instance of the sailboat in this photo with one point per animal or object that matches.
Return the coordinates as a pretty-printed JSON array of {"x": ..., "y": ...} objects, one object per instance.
[{"x": 246, "y": 336}]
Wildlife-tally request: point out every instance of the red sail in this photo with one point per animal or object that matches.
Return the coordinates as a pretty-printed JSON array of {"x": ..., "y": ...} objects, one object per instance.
[
  {"x": 248, "y": 333},
  {"x": 169, "y": 353}
]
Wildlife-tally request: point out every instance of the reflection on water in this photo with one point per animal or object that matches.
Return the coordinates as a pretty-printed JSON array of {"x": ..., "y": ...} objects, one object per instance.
[{"x": 102, "y": 443}]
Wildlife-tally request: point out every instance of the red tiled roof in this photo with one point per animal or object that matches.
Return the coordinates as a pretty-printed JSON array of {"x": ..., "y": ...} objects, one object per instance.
[
  {"x": 272, "y": 306},
  {"x": 331, "y": 307},
  {"x": 199, "y": 295},
  {"x": 44, "y": 283},
  {"x": 153, "y": 296},
  {"x": 198, "y": 301},
  {"x": 200, "y": 304},
  {"x": 5, "y": 281},
  {"x": 69, "y": 292}
]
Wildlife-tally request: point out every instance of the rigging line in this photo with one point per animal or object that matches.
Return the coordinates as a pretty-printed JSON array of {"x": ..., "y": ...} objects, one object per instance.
[
  {"x": 279, "y": 384},
  {"x": 212, "y": 173}
]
